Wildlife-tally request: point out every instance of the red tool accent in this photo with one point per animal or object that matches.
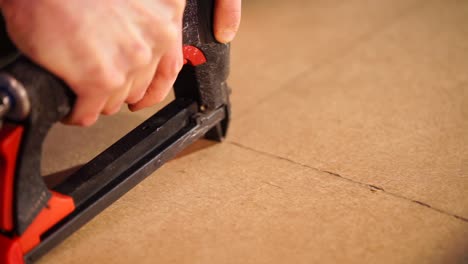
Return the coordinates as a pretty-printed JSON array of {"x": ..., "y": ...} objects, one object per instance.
[
  {"x": 57, "y": 208},
  {"x": 193, "y": 56},
  {"x": 10, "y": 140},
  {"x": 12, "y": 250}
]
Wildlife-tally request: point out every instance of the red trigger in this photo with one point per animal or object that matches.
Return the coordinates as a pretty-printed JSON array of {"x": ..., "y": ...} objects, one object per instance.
[{"x": 193, "y": 56}]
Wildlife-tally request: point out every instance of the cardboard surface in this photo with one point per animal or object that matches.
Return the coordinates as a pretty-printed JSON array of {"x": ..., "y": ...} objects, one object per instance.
[
  {"x": 349, "y": 144},
  {"x": 394, "y": 113},
  {"x": 251, "y": 208},
  {"x": 281, "y": 41}
]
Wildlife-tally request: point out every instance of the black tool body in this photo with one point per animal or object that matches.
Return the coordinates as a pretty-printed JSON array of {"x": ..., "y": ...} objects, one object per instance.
[{"x": 201, "y": 108}]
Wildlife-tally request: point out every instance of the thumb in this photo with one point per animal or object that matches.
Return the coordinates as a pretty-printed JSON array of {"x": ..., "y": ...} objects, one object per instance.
[{"x": 227, "y": 18}]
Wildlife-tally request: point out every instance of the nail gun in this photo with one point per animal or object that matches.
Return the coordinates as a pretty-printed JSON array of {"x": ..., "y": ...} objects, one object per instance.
[{"x": 34, "y": 217}]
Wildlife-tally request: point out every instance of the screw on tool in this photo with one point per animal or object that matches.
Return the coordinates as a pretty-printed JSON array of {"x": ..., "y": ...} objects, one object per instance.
[{"x": 14, "y": 101}]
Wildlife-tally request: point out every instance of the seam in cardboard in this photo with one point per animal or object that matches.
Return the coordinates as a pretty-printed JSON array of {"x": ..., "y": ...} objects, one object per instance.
[{"x": 371, "y": 187}]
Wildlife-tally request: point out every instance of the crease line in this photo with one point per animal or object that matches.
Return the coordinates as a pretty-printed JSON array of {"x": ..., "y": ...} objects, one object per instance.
[{"x": 373, "y": 188}]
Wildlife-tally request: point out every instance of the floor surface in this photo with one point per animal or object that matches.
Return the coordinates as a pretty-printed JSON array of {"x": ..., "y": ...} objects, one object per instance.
[{"x": 349, "y": 144}]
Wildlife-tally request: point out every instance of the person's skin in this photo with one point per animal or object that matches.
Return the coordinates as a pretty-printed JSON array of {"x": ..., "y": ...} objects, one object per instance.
[{"x": 109, "y": 52}]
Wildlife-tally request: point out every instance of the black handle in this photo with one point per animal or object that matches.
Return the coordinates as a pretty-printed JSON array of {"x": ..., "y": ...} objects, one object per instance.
[
  {"x": 50, "y": 101},
  {"x": 207, "y": 82},
  {"x": 50, "y": 98}
]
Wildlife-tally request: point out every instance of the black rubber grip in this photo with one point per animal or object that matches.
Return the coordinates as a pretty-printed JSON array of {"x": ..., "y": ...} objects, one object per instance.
[
  {"x": 206, "y": 82},
  {"x": 51, "y": 100}
]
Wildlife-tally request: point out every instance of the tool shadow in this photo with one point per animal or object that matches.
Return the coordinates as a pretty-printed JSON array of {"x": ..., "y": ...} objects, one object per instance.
[{"x": 54, "y": 179}]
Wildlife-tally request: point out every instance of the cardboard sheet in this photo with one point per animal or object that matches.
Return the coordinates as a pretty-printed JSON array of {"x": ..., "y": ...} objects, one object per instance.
[
  {"x": 349, "y": 144},
  {"x": 281, "y": 41},
  {"x": 393, "y": 113},
  {"x": 251, "y": 208}
]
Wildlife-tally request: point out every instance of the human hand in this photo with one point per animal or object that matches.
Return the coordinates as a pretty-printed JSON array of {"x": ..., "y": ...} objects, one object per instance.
[
  {"x": 226, "y": 19},
  {"x": 108, "y": 52}
]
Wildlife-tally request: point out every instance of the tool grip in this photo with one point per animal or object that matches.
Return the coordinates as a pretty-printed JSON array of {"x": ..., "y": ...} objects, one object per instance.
[
  {"x": 50, "y": 98},
  {"x": 206, "y": 82}
]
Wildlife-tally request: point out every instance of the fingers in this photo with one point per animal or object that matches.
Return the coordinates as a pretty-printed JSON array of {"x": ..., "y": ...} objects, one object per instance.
[
  {"x": 142, "y": 81},
  {"x": 226, "y": 19},
  {"x": 134, "y": 59},
  {"x": 167, "y": 70},
  {"x": 115, "y": 101},
  {"x": 86, "y": 110},
  {"x": 161, "y": 85}
]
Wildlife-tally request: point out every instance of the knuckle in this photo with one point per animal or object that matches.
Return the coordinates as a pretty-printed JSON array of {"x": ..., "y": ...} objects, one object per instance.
[
  {"x": 171, "y": 33},
  {"x": 106, "y": 78},
  {"x": 171, "y": 68},
  {"x": 168, "y": 74},
  {"x": 141, "y": 54}
]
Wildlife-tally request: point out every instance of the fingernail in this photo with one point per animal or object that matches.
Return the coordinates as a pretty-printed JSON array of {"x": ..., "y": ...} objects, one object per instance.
[{"x": 226, "y": 36}]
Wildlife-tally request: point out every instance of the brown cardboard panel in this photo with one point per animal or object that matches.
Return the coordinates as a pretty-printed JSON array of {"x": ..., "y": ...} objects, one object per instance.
[
  {"x": 227, "y": 204},
  {"x": 394, "y": 113},
  {"x": 281, "y": 40},
  {"x": 372, "y": 90}
]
